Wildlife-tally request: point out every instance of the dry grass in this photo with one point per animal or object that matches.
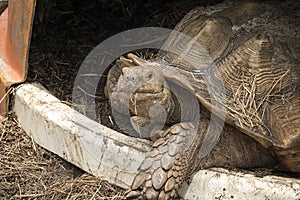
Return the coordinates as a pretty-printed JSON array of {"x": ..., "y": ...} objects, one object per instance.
[
  {"x": 31, "y": 172},
  {"x": 250, "y": 109}
]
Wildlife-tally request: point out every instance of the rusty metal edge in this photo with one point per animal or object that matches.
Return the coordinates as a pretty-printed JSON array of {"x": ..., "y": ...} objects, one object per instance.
[{"x": 15, "y": 34}]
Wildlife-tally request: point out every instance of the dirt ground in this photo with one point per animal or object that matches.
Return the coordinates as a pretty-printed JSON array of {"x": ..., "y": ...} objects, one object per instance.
[{"x": 63, "y": 34}]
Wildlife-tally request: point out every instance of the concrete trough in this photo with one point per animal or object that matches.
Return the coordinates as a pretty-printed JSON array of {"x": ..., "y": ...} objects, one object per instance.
[{"x": 115, "y": 157}]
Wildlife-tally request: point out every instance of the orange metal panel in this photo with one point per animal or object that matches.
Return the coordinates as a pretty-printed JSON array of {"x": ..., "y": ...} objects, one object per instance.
[{"x": 15, "y": 32}]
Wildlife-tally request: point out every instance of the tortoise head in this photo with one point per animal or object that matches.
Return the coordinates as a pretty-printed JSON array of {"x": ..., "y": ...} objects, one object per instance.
[
  {"x": 140, "y": 79},
  {"x": 153, "y": 95},
  {"x": 144, "y": 91}
]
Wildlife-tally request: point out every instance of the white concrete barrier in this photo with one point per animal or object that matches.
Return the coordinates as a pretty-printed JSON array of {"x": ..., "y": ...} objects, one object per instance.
[
  {"x": 218, "y": 183},
  {"x": 115, "y": 157}
]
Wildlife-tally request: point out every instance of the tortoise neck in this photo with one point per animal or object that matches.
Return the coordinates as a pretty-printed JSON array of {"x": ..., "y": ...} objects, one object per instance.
[{"x": 186, "y": 105}]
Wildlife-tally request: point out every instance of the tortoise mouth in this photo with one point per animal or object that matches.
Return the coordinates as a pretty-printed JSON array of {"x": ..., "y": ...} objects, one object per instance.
[
  {"x": 150, "y": 89},
  {"x": 142, "y": 101},
  {"x": 132, "y": 89}
]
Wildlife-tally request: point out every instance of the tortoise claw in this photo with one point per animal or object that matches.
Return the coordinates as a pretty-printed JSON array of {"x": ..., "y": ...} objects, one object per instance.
[{"x": 132, "y": 194}]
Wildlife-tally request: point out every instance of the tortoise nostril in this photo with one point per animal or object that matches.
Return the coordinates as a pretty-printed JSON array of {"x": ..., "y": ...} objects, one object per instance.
[{"x": 130, "y": 77}]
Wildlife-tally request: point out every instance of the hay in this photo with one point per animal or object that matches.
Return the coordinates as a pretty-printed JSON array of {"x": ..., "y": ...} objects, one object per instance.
[
  {"x": 31, "y": 172},
  {"x": 248, "y": 108}
]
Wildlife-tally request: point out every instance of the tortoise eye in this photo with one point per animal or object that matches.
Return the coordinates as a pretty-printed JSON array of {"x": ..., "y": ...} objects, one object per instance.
[{"x": 149, "y": 76}]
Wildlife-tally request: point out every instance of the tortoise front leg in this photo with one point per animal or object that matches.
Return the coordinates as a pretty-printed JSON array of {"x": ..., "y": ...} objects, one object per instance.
[
  {"x": 167, "y": 165},
  {"x": 179, "y": 153}
]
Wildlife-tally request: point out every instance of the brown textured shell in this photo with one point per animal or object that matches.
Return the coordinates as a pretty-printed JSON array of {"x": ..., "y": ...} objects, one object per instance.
[{"x": 253, "y": 50}]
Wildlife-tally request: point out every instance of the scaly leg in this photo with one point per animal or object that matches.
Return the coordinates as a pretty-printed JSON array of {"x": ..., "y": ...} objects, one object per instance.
[{"x": 167, "y": 165}]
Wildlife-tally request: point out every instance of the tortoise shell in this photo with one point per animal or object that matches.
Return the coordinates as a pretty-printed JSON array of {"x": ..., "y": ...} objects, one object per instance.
[{"x": 250, "y": 51}]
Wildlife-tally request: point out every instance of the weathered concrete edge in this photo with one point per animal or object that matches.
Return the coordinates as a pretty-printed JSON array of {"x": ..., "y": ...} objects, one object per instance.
[
  {"x": 115, "y": 157},
  {"x": 219, "y": 183},
  {"x": 90, "y": 146}
]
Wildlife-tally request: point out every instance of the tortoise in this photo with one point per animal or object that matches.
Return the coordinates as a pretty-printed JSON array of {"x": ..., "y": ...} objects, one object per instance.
[{"x": 245, "y": 72}]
